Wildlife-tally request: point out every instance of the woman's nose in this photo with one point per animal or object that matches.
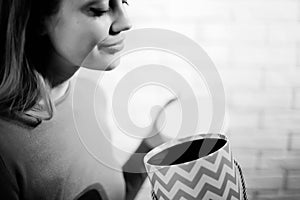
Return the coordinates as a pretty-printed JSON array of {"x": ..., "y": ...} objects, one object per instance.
[{"x": 121, "y": 22}]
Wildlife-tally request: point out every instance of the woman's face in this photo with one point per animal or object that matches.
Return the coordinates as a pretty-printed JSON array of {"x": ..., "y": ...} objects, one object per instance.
[{"x": 89, "y": 33}]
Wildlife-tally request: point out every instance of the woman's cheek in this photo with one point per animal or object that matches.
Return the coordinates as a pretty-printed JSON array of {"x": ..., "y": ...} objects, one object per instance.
[
  {"x": 99, "y": 30},
  {"x": 65, "y": 40},
  {"x": 85, "y": 39},
  {"x": 75, "y": 37}
]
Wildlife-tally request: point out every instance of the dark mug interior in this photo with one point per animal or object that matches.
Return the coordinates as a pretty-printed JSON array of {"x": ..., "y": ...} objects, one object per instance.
[{"x": 187, "y": 151}]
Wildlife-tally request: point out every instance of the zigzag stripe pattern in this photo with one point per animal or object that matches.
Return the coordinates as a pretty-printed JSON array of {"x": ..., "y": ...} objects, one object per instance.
[
  {"x": 213, "y": 178},
  {"x": 202, "y": 186},
  {"x": 210, "y": 169},
  {"x": 214, "y": 170},
  {"x": 203, "y": 173}
]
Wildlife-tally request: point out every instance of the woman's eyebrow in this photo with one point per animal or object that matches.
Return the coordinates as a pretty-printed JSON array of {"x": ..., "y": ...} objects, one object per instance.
[{"x": 93, "y": 2}]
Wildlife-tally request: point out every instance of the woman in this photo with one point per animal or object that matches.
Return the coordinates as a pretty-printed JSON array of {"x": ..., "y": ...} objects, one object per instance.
[{"x": 42, "y": 45}]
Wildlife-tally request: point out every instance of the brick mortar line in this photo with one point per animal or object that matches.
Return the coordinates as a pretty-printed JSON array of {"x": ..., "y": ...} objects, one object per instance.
[
  {"x": 264, "y": 79},
  {"x": 293, "y": 101},
  {"x": 298, "y": 10},
  {"x": 289, "y": 142},
  {"x": 261, "y": 119},
  {"x": 298, "y": 52},
  {"x": 285, "y": 179}
]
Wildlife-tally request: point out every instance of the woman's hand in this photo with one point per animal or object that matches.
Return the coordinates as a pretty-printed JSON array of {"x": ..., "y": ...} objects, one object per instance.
[{"x": 155, "y": 137}]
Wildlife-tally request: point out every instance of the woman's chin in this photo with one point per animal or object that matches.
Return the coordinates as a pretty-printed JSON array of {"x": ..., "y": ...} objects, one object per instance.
[
  {"x": 101, "y": 60},
  {"x": 112, "y": 65},
  {"x": 101, "y": 67}
]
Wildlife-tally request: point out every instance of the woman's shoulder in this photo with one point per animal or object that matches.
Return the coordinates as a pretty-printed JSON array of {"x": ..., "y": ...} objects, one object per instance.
[
  {"x": 12, "y": 144},
  {"x": 13, "y": 135},
  {"x": 9, "y": 127}
]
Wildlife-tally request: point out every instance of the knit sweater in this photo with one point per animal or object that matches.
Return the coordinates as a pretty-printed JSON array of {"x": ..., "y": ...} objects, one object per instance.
[{"x": 50, "y": 162}]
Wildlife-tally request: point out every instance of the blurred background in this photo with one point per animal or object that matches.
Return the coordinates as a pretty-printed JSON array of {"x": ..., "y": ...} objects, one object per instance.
[{"x": 255, "y": 45}]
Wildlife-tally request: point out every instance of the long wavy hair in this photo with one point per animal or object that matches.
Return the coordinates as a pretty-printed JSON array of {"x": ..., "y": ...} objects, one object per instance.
[{"x": 23, "y": 54}]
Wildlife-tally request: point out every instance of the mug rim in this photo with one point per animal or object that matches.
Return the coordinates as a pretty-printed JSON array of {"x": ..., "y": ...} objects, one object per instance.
[{"x": 175, "y": 142}]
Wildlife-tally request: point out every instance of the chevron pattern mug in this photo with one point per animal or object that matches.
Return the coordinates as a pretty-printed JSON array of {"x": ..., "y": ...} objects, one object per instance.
[{"x": 200, "y": 167}]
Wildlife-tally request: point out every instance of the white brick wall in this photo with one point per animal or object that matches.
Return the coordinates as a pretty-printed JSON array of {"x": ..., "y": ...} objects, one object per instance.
[
  {"x": 241, "y": 118},
  {"x": 297, "y": 98},
  {"x": 264, "y": 56},
  {"x": 255, "y": 44},
  {"x": 288, "y": 78},
  {"x": 295, "y": 143},
  {"x": 238, "y": 79},
  {"x": 288, "y": 119},
  {"x": 233, "y": 33},
  {"x": 202, "y": 10},
  {"x": 283, "y": 33},
  {"x": 257, "y": 139},
  {"x": 262, "y": 99},
  {"x": 293, "y": 181},
  {"x": 266, "y": 11}
]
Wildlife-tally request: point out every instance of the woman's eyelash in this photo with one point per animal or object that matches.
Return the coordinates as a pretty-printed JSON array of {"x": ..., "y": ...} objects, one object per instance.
[
  {"x": 98, "y": 12},
  {"x": 125, "y": 2}
]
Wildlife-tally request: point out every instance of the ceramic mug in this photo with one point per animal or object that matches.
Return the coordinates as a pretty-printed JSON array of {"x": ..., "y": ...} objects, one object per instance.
[{"x": 198, "y": 167}]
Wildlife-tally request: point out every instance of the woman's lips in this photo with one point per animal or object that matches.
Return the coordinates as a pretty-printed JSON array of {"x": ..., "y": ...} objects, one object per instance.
[{"x": 112, "y": 48}]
